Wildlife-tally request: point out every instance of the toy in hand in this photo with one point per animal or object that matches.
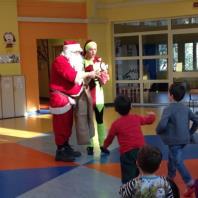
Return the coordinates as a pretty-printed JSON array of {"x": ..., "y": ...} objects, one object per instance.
[{"x": 103, "y": 76}]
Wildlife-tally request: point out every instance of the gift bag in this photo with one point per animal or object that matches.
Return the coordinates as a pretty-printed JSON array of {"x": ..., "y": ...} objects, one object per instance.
[
  {"x": 83, "y": 116},
  {"x": 103, "y": 77}
]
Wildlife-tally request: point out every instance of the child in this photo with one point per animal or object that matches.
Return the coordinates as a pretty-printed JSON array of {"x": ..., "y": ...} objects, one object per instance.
[
  {"x": 147, "y": 185},
  {"x": 127, "y": 128},
  {"x": 174, "y": 131}
]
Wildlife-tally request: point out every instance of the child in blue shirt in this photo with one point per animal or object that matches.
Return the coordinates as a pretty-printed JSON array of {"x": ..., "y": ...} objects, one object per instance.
[{"x": 174, "y": 131}]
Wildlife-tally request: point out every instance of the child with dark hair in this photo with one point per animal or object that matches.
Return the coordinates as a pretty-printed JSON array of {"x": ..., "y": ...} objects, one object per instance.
[
  {"x": 147, "y": 185},
  {"x": 127, "y": 129},
  {"x": 174, "y": 131}
]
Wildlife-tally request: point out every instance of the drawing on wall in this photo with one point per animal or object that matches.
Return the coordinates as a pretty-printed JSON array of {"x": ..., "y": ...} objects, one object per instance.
[
  {"x": 9, "y": 58},
  {"x": 9, "y": 39}
]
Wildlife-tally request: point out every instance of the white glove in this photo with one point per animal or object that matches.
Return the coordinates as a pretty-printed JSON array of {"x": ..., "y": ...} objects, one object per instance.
[{"x": 104, "y": 66}]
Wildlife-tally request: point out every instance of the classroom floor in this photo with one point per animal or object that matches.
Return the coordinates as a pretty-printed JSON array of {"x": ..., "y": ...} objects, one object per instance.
[{"x": 28, "y": 168}]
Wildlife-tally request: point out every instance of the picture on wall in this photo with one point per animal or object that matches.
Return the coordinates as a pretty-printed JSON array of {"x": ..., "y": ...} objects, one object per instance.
[
  {"x": 9, "y": 39},
  {"x": 9, "y": 58}
]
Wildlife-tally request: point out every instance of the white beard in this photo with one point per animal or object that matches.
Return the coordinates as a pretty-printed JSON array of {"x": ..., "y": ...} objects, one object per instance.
[{"x": 76, "y": 60}]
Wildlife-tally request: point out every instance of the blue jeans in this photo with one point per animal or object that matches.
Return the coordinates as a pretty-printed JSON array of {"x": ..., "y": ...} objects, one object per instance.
[{"x": 175, "y": 162}]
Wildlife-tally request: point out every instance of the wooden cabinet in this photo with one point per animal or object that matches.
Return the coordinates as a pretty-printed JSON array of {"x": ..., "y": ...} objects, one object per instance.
[
  {"x": 7, "y": 97},
  {"x": 19, "y": 95},
  {"x": 12, "y": 96}
]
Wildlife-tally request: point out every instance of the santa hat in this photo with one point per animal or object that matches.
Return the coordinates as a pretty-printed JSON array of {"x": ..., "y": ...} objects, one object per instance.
[{"x": 72, "y": 46}]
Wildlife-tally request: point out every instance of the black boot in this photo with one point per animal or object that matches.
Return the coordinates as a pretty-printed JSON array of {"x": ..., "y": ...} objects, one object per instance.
[
  {"x": 104, "y": 151},
  {"x": 61, "y": 155},
  {"x": 90, "y": 150},
  {"x": 70, "y": 151}
]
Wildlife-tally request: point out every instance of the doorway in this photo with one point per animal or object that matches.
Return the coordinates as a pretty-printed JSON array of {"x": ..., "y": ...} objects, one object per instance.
[
  {"x": 47, "y": 50},
  {"x": 43, "y": 72}
]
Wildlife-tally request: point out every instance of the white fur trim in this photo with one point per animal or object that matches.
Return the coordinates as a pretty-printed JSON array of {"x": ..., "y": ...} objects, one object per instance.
[
  {"x": 60, "y": 110},
  {"x": 76, "y": 95},
  {"x": 73, "y": 48},
  {"x": 72, "y": 101},
  {"x": 104, "y": 66},
  {"x": 79, "y": 78}
]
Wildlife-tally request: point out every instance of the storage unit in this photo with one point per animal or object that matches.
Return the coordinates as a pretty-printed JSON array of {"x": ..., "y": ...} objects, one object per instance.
[
  {"x": 12, "y": 96},
  {"x": 7, "y": 97},
  {"x": 0, "y": 104},
  {"x": 19, "y": 95}
]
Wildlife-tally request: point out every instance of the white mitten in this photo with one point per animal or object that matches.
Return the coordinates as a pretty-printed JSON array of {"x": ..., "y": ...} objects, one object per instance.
[{"x": 104, "y": 66}]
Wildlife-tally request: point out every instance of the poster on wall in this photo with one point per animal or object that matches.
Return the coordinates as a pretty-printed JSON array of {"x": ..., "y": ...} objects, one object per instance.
[
  {"x": 9, "y": 39},
  {"x": 179, "y": 67},
  {"x": 9, "y": 58}
]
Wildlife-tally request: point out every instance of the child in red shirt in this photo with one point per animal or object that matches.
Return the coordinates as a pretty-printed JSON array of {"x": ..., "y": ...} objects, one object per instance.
[{"x": 127, "y": 128}]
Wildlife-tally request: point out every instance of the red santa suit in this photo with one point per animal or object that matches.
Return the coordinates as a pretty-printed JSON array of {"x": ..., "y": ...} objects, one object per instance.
[{"x": 63, "y": 91}]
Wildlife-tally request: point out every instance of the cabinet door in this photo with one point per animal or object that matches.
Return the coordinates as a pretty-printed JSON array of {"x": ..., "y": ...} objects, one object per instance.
[
  {"x": 1, "y": 115},
  {"x": 19, "y": 95},
  {"x": 7, "y": 96}
]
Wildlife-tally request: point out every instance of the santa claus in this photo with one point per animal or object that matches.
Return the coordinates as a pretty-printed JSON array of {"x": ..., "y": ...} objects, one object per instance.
[{"x": 66, "y": 84}]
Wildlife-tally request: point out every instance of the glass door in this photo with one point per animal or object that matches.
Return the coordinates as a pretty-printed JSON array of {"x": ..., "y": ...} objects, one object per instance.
[
  {"x": 150, "y": 55},
  {"x": 141, "y": 60}
]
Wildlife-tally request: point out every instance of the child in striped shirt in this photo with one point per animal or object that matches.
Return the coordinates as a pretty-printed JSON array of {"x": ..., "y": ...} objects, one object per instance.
[{"x": 148, "y": 184}]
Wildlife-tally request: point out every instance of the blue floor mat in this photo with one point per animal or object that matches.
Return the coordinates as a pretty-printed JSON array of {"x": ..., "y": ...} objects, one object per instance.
[{"x": 16, "y": 182}]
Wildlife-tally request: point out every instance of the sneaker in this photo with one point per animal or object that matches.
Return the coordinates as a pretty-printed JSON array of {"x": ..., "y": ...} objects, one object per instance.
[
  {"x": 189, "y": 191},
  {"x": 104, "y": 151},
  {"x": 90, "y": 150},
  {"x": 70, "y": 151},
  {"x": 61, "y": 155}
]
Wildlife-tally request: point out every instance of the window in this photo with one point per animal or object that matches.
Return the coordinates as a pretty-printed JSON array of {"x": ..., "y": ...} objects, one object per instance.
[
  {"x": 155, "y": 44},
  {"x": 143, "y": 52},
  {"x": 185, "y": 52},
  {"x": 151, "y": 68},
  {"x": 188, "y": 56},
  {"x": 197, "y": 55},
  {"x": 162, "y": 49},
  {"x": 127, "y": 69},
  {"x": 162, "y": 64},
  {"x": 187, "y": 22},
  {"x": 175, "y": 55},
  {"x": 126, "y": 46},
  {"x": 141, "y": 26}
]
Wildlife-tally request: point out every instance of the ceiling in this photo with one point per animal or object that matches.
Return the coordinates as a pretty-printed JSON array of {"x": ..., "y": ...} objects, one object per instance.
[
  {"x": 107, "y": 3},
  {"x": 136, "y": 1},
  {"x": 110, "y": 1}
]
